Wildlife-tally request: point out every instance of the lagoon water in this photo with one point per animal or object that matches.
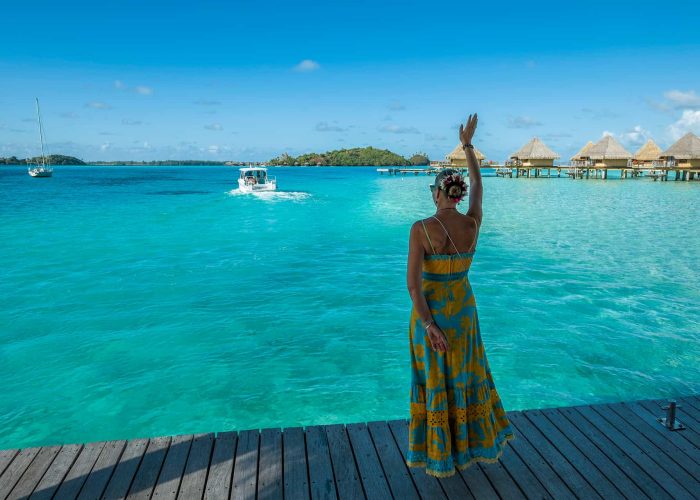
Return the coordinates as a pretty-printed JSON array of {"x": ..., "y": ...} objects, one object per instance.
[{"x": 139, "y": 302}]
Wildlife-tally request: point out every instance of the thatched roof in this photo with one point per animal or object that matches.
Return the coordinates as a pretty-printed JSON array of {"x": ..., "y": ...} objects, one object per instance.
[
  {"x": 535, "y": 150},
  {"x": 608, "y": 149},
  {"x": 584, "y": 151},
  {"x": 459, "y": 154},
  {"x": 649, "y": 152},
  {"x": 685, "y": 148}
]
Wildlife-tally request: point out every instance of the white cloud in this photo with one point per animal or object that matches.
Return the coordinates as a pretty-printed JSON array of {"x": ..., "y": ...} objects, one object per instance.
[
  {"x": 118, "y": 84},
  {"x": 683, "y": 99},
  {"x": 143, "y": 90},
  {"x": 522, "y": 122},
  {"x": 213, "y": 149},
  {"x": 329, "y": 127},
  {"x": 688, "y": 122},
  {"x": 306, "y": 66},
  {"x": 214, "y": 126},
  {"x": 97, "y": 105},
  {"x": 608, "y": 133},
  {"x": 636, "y": 137},
  {"x": 397, "y": 129},
  {"x": 105, "y": 146}
]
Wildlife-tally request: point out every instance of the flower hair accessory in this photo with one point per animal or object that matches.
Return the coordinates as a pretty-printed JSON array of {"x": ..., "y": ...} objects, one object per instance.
[{"x": 454, "y": 187}]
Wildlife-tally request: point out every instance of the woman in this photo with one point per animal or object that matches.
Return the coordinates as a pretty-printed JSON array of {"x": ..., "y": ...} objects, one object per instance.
[{"x": 457, "y": 417}]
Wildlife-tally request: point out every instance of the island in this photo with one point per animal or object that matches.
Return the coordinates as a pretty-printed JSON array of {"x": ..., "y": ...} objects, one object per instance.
[
  {"x": 367, "y": 156},
  {"x": 51, "y": 159}
]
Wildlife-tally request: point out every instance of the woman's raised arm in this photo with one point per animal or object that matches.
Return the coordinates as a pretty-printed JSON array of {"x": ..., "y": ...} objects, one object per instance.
[{"x": 475, "y": 187}]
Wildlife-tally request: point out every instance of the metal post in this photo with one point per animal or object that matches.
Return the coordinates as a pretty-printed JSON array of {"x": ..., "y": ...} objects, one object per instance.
[{"x": 670, "y": 421}]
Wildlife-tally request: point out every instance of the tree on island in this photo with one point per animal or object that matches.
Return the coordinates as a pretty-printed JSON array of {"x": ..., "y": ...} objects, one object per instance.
[{"x": 419, "y": 159}]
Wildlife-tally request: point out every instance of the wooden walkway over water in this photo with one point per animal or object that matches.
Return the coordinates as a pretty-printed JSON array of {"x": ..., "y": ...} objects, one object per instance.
[{"x": 599, "y": 451}]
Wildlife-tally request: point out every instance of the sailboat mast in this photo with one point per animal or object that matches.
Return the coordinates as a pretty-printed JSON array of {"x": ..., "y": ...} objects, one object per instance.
[{"x": 41, "y": 132}]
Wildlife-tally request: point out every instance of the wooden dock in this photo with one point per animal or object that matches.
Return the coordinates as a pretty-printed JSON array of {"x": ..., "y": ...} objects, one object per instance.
[{"x": 602, "y": 451}]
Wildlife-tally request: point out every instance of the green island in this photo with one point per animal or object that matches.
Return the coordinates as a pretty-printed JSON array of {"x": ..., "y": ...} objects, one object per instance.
[
  {"x": 354, "y": 157},
  {"x": 51, "y": 159}
]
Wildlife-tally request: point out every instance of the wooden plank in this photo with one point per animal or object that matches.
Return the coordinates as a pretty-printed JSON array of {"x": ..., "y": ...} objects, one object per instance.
[
  {"x": 545, "y": 474},
  {"x": 670, "y": 444},
  {"x": 561, "y": 441},
  {"x": 395, "y": 468},
  {"x": 15, "y": 470},
  {"x": 296, "y": 483},
  {"x": 103, "y": 469},
  {"x": 149, "y": 469},
  {"x": 245, "y": 469},
  {"x": 195, "y": 477},
  {"x": 347, "y": 479},
  {"x": 221, "y": 468},
  {"x": 428, "y": 486},
  {"x": 501, "y": 481},
  {"x": 622, "y": 455},
  {"x": 36, "y": 470},
  {"x": 173, "y": 467},
  {"x": 6, "y": 457},
  {"x": 80, "y": 470},
  {"x": 318, "y": 455},
  {"x": 270, "y": 481},
  {"x": 58, "y": 469},
  {"x": 374, "y": 481},
  {"x": 597, "y": 456},
  {"x": 124, "y": 472},
  {"x": 478, "y": 482},
  {"x": 635, "y": 446},
  {"x": 693, "y": 401},
  {"x": 554, "y": 458},
  {"x": 521, "y": 474}
]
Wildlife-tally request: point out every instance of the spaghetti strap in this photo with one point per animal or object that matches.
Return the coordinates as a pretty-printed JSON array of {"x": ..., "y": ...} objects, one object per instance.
[
  {"x": 448, "y": 236},
  {"x": 427, "y": 236}
]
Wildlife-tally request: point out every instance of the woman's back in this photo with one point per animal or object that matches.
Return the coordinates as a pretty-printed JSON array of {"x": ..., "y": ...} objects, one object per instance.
[{"x": 450, "y": 234}]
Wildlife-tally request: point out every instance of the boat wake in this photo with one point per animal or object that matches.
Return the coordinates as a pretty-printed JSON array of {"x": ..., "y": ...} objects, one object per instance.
[{"x": 273, "y": 195}]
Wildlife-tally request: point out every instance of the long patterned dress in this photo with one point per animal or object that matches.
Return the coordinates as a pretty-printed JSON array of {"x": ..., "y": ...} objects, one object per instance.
[{"x": 456, "y": 414}]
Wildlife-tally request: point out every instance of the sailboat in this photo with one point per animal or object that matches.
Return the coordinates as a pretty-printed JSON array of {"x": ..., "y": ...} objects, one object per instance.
[{"x": 44, "y": 168}]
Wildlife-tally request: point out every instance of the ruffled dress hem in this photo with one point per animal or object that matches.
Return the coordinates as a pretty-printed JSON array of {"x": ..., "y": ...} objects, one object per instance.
[{"x": 501, "y": 446}]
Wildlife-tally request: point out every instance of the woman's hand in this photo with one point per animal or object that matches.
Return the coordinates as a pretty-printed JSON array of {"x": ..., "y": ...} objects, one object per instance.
[
  {"x": 466, "y": 134},
  {"x": 438, "y": 341}
]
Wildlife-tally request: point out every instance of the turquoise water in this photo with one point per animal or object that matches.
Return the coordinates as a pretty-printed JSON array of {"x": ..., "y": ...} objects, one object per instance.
[{"x": 151, "y": 301}]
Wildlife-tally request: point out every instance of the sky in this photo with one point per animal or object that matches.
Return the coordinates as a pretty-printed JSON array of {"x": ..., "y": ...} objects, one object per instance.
[{"x": 247, "y": 80}]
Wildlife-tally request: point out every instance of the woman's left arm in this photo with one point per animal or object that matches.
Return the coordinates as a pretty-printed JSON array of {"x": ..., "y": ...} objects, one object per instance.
[{"x": 414, "y": 280}]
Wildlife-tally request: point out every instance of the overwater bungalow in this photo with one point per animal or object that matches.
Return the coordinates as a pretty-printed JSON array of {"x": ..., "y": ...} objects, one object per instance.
[
  {"x": 582, "y": 158},
  {"x": 458, "y": 158},
  {"x": 683, "y": 156},
  {"x": 532, "y": 157},
  {"x": 607, "y": 154},
  {"x": 647, "y": 155}
]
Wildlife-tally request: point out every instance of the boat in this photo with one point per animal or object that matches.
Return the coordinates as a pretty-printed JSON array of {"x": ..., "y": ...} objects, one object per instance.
[
  {"x": 255, "y": 179},
  {"x": 44, "y": 168}
]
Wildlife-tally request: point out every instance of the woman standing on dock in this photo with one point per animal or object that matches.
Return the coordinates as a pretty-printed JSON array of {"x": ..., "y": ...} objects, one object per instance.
[{"x": 456, "y": 414}]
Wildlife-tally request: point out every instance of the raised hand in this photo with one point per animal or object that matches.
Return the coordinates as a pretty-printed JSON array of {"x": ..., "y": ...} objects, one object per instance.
[{"x": 467, "y": 133}]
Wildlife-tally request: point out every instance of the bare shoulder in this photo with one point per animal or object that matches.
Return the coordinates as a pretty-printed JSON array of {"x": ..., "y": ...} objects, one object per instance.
[{"x": 476, "y": 218}]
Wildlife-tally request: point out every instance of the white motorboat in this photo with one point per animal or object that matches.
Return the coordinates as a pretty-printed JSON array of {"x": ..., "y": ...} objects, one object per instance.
[
  {"x": 255, "y": 179},
  {"x": 43, "y": 168}
]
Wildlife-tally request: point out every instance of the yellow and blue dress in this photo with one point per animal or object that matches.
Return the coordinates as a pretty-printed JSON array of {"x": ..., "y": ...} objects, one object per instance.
[{"x": 456, "y": 414}]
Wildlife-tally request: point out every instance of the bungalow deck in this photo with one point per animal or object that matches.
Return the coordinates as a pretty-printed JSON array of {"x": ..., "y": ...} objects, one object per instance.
[{"x": 615, "y": 450}]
